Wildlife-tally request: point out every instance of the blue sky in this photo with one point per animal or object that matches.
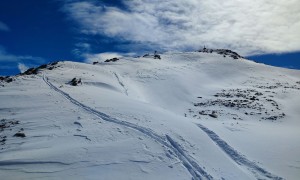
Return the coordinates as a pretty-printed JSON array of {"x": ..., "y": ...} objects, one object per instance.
[{"x": 34, "y": 32}]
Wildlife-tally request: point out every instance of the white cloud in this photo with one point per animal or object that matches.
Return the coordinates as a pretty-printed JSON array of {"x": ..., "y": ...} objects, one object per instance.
[
  {"x": 4, "y": 27},
  {"x": 22, "y": 67},
  {"x": 81, "y": 49},
  {"x": 250, "y": 27},
  {"x": 9, "y": 58},
  {"x": 10, "y": 61}
]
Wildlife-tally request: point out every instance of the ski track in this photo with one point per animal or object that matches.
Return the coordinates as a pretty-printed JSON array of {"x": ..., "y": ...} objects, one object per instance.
[
  {"x": 121, "y": 83},
  {"x": 13, "y": 163},
  {"x": 78, "y": 135},
  {"x": 237, "y": 157},
  {"x": 194, "y": 169}
]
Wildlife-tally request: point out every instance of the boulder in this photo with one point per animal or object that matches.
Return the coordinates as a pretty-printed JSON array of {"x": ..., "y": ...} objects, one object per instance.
[
  {"x": 20, "y": 134},
  {"x": 156, "y": 56},
  {"x": 75, "y": 81}
]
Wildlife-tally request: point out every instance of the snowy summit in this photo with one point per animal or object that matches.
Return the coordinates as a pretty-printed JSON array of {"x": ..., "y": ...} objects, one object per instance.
[{"x": 195, "y": 115}]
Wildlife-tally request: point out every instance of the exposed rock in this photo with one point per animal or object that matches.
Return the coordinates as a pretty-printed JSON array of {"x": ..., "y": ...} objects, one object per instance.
[
  {"x": 237, "y": 99},
  {"x": 20, "y": 134},
  {"x": 224, "y": 52},
  {"x": 34, "y": 71},
  {"x": 75, "y": 81},
  {"x": 213, "y": 114},
  {"x": 30, "y": 71},
  {"x": 156, "y": 56},
  {"x": 6, "y": 79},
  {"x": 53, "y": 63},
  {"x": 42, "y": 66},
  {"x": 112, "y": 60}
]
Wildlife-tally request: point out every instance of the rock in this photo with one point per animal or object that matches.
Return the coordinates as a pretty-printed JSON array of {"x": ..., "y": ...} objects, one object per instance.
[
  {"x": 8, "y": 80},
  {"x": 20, "y": 134},
  {"x": 112, "y": 60},
  {"x": 14, "y": 122},
  {"x": 223, "y": 52},
  {"x": 156, "y": 56},
  {"x": 213, "y": 114},
  {"x": 75, "y": 81},
  {"x": 258, "y": 93},
  {"x": 54, "y": 63},
  {"x": 42, "y": 66}
]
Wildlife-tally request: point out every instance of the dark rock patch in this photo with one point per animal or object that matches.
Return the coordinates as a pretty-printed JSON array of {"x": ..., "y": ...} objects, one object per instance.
[
  {"x": 244, "y": 101},
  {"x": 112, "y": 60},
  {"x": 6, "y": 79},
  {"x": 213, "y": 114},
  {"x": 75, "y": 81},
  {"x": 42, "y": 66},
  {"x": 156, "y": 56},
  {"x": 20, "y": 134},
  {"x": 223, "y": 52},
  {"x": 34, "y": 71},
  {"x": 54, "y": 63},
  {"x": 6, "y": 124}
]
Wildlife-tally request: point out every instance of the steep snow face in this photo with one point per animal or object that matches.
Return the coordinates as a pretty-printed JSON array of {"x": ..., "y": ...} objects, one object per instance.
[{"x": 190, "y": 115}]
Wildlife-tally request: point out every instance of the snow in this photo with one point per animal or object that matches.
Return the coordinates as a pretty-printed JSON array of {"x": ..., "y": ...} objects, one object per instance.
[{"x": 142, "y": 118}]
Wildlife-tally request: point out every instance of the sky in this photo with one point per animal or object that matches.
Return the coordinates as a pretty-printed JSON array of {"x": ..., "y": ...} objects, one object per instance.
[{"x": 35, "y": 32}]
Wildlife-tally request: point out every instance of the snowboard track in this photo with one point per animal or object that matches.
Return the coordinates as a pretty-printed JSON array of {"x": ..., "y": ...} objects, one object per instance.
[
  {"x": 237, "y": 157},
  {"x": 194, "y": 169}
]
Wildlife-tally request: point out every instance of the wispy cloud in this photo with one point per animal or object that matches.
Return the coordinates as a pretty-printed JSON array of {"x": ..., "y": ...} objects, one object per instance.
[
  {"x": 4, "y": 27},
  {"x": 9, "y": 58},
  {"x": 250, "y": 27},
  {"x": 10, "y": 61},
  {"x": 22, "y": 67},
  {"x": 81, "y": 48}
]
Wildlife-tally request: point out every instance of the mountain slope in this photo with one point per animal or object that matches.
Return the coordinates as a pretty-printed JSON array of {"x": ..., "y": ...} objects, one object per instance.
[{"x": 189, "y": 115}]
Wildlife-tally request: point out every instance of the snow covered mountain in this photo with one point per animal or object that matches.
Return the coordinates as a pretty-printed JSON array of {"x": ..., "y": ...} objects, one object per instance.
[{"x": 193, "y": 115}]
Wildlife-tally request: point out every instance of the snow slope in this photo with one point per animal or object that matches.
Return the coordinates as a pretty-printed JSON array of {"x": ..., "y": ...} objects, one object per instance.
[{"x": 144, "y": 118}]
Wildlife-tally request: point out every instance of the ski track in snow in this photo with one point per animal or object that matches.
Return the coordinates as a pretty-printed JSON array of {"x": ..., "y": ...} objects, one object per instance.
[
  {"x": 78, "y": 135},
  {"x": 236, "y": 156},
  {"x": 187, "y": 162},
  {"x": 12, "y": 163},
  {"x": 194, "y": 169},
  {"x": 121, "y": 83}
]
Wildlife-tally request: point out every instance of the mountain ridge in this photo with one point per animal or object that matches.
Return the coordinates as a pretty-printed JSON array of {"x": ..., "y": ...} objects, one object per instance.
[{"x": 187, "y": 115}]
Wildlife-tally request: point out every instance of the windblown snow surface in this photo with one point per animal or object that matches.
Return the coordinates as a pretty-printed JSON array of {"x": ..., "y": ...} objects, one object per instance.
[{"x": 187, "y": 116}]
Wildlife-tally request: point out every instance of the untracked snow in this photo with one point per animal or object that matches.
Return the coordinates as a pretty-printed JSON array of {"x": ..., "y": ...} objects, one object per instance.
[{"x": 192, "y": 115}]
